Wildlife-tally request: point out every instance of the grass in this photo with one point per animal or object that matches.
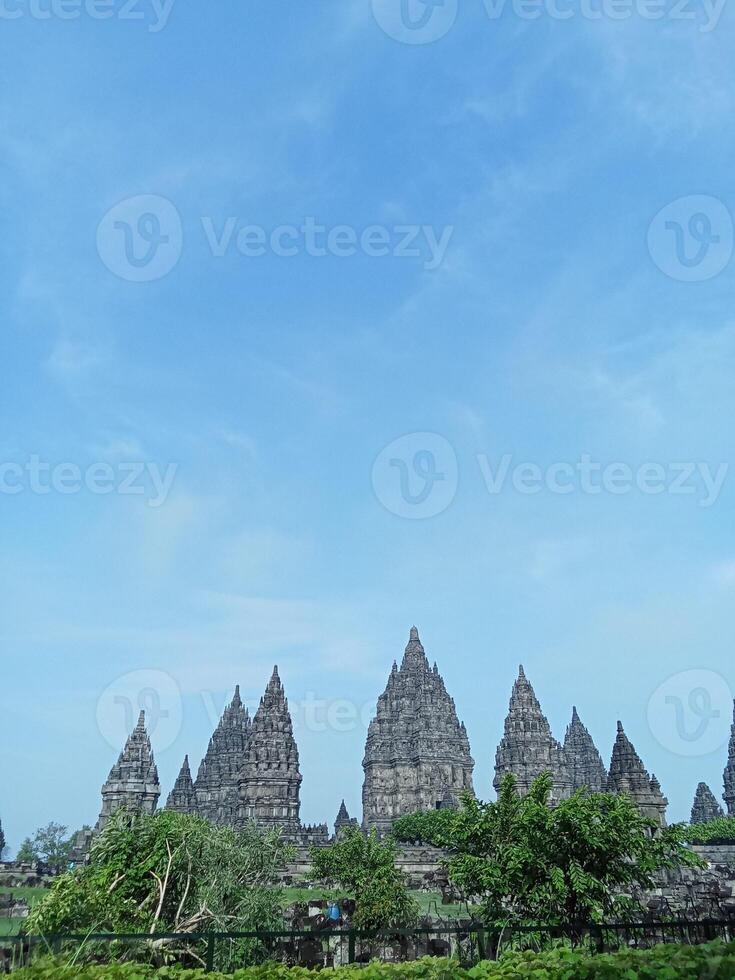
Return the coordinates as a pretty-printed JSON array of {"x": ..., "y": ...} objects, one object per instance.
[{"x": 11, "y": 927}]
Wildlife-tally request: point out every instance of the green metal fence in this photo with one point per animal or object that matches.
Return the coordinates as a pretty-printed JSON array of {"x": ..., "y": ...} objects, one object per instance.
[{"x": 227, "y": 951}]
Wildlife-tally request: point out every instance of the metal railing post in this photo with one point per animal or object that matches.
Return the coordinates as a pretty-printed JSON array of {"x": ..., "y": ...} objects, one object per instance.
[{"x": 211, "y": 943}]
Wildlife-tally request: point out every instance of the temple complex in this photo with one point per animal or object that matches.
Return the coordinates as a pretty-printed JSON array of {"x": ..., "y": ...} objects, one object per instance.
[
  {"x": 417, "y": 757},
  {"x": 417, "y": 751}
]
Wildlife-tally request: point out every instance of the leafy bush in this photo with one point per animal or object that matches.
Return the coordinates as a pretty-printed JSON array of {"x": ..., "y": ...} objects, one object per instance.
[
  {"x": 718, "y": 831},
  {"x": 169, "y": 872},
  {"x": 366, "y": 866},
  {"x": 522, "y": 860},
  {"x": 715, "y": 961}
]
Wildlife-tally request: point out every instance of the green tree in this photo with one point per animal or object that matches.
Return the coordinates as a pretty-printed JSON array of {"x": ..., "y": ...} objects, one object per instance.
[
  {"x": 3, "y": 842},
  {"x": 365, "y": 866},
  {"x": 27, "y": 853},
  {"x": 169, "y": 872},
  {"x": 52, "y": 844},
  {"x": 521, "y": 860}
]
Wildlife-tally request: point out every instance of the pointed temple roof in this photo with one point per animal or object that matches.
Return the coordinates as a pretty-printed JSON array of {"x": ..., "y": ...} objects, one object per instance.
[
  {"x": 270, "y": 776},
  {"x": 586, "y": 767},
  {"x": 182, "y": 797},
  {"x": 416, "y": 748},
  {"x": 728, "y": 777},
  {"x": 219, "y": 771},
  {"x": 628, "y": 775},
  {"x": 135, "y": 763},
  {"x": 705, "y": 806},
  {"x": 133, "y": 781},
  {"x": 528, "y": 747}
]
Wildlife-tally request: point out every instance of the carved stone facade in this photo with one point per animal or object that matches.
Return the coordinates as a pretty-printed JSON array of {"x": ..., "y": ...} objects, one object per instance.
[
  {"x": 705, "y": 806},
  {"x": 133, "y": 781},
  {"x": 270, "y": 779},
  {"x": 729, "y": 774},
  {"x": 416, "y": 751},
  {"x": 586, "y": 768},
  {"x": 629, "y": 775},
  {"x": 528, "y": 748},
  {"x": 218, "y": 779},
  {"x": 183, "y": 797}
]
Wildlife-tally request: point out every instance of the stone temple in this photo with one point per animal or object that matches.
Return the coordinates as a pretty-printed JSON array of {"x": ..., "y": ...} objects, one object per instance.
[
  {"x": 417, "y": 757},
  {"x": 528, "y": 748},
  {"x": 417, "y": 753}
]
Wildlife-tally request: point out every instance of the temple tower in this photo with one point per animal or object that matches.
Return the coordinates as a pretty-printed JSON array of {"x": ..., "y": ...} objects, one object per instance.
[
  {"x": 133, "y": 781},
  {"x": 416, "y": 751},
  {"x": 729, "y": 774},
  {"x": 586, "y": 767},
  {"x": 183, "y": 797},
  {"x": 270, "y": 778},
  {"x": 629, "y": 775},
  {"x": 343, "y": 820},
  {"x": 218, "y": 779},
  {"x": 705, "y": 806},
  {"x": 528, "y": 748}
]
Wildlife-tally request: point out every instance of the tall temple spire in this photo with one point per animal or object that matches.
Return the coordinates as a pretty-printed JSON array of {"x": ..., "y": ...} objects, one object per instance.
[
  {"x": 183, "y": 797},
  {"x": 728, "y": 777},
  {"x": 218, "y": 778},
  {"x": 416, "y": 750},
  {"x": 270, "y": 778},
  {"x": 528, "y": 747},
  {"x": 628, "y": 775},
  {"x": 343, "y": 820},
  {"x": 705, "y": 806},
  {"x": 133, "y": 782},
  {"x": 586, "y": 767}
]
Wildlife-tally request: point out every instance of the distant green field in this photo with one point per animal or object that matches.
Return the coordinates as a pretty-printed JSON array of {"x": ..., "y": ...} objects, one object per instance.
[{"x": 11, "y": 927}]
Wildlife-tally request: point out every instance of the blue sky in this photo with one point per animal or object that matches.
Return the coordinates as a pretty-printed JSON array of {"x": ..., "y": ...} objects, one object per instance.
[{"x": 561, "y": 323}]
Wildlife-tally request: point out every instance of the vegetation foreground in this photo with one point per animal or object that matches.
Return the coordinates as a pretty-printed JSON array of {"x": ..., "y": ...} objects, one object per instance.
[{"x": 715, "y": 961}]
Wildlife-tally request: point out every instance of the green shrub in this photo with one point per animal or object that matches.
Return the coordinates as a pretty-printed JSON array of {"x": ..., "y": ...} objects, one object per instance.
[
  {"x": 715, "y": 961},
  {"x": 719, "y": 831}
]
